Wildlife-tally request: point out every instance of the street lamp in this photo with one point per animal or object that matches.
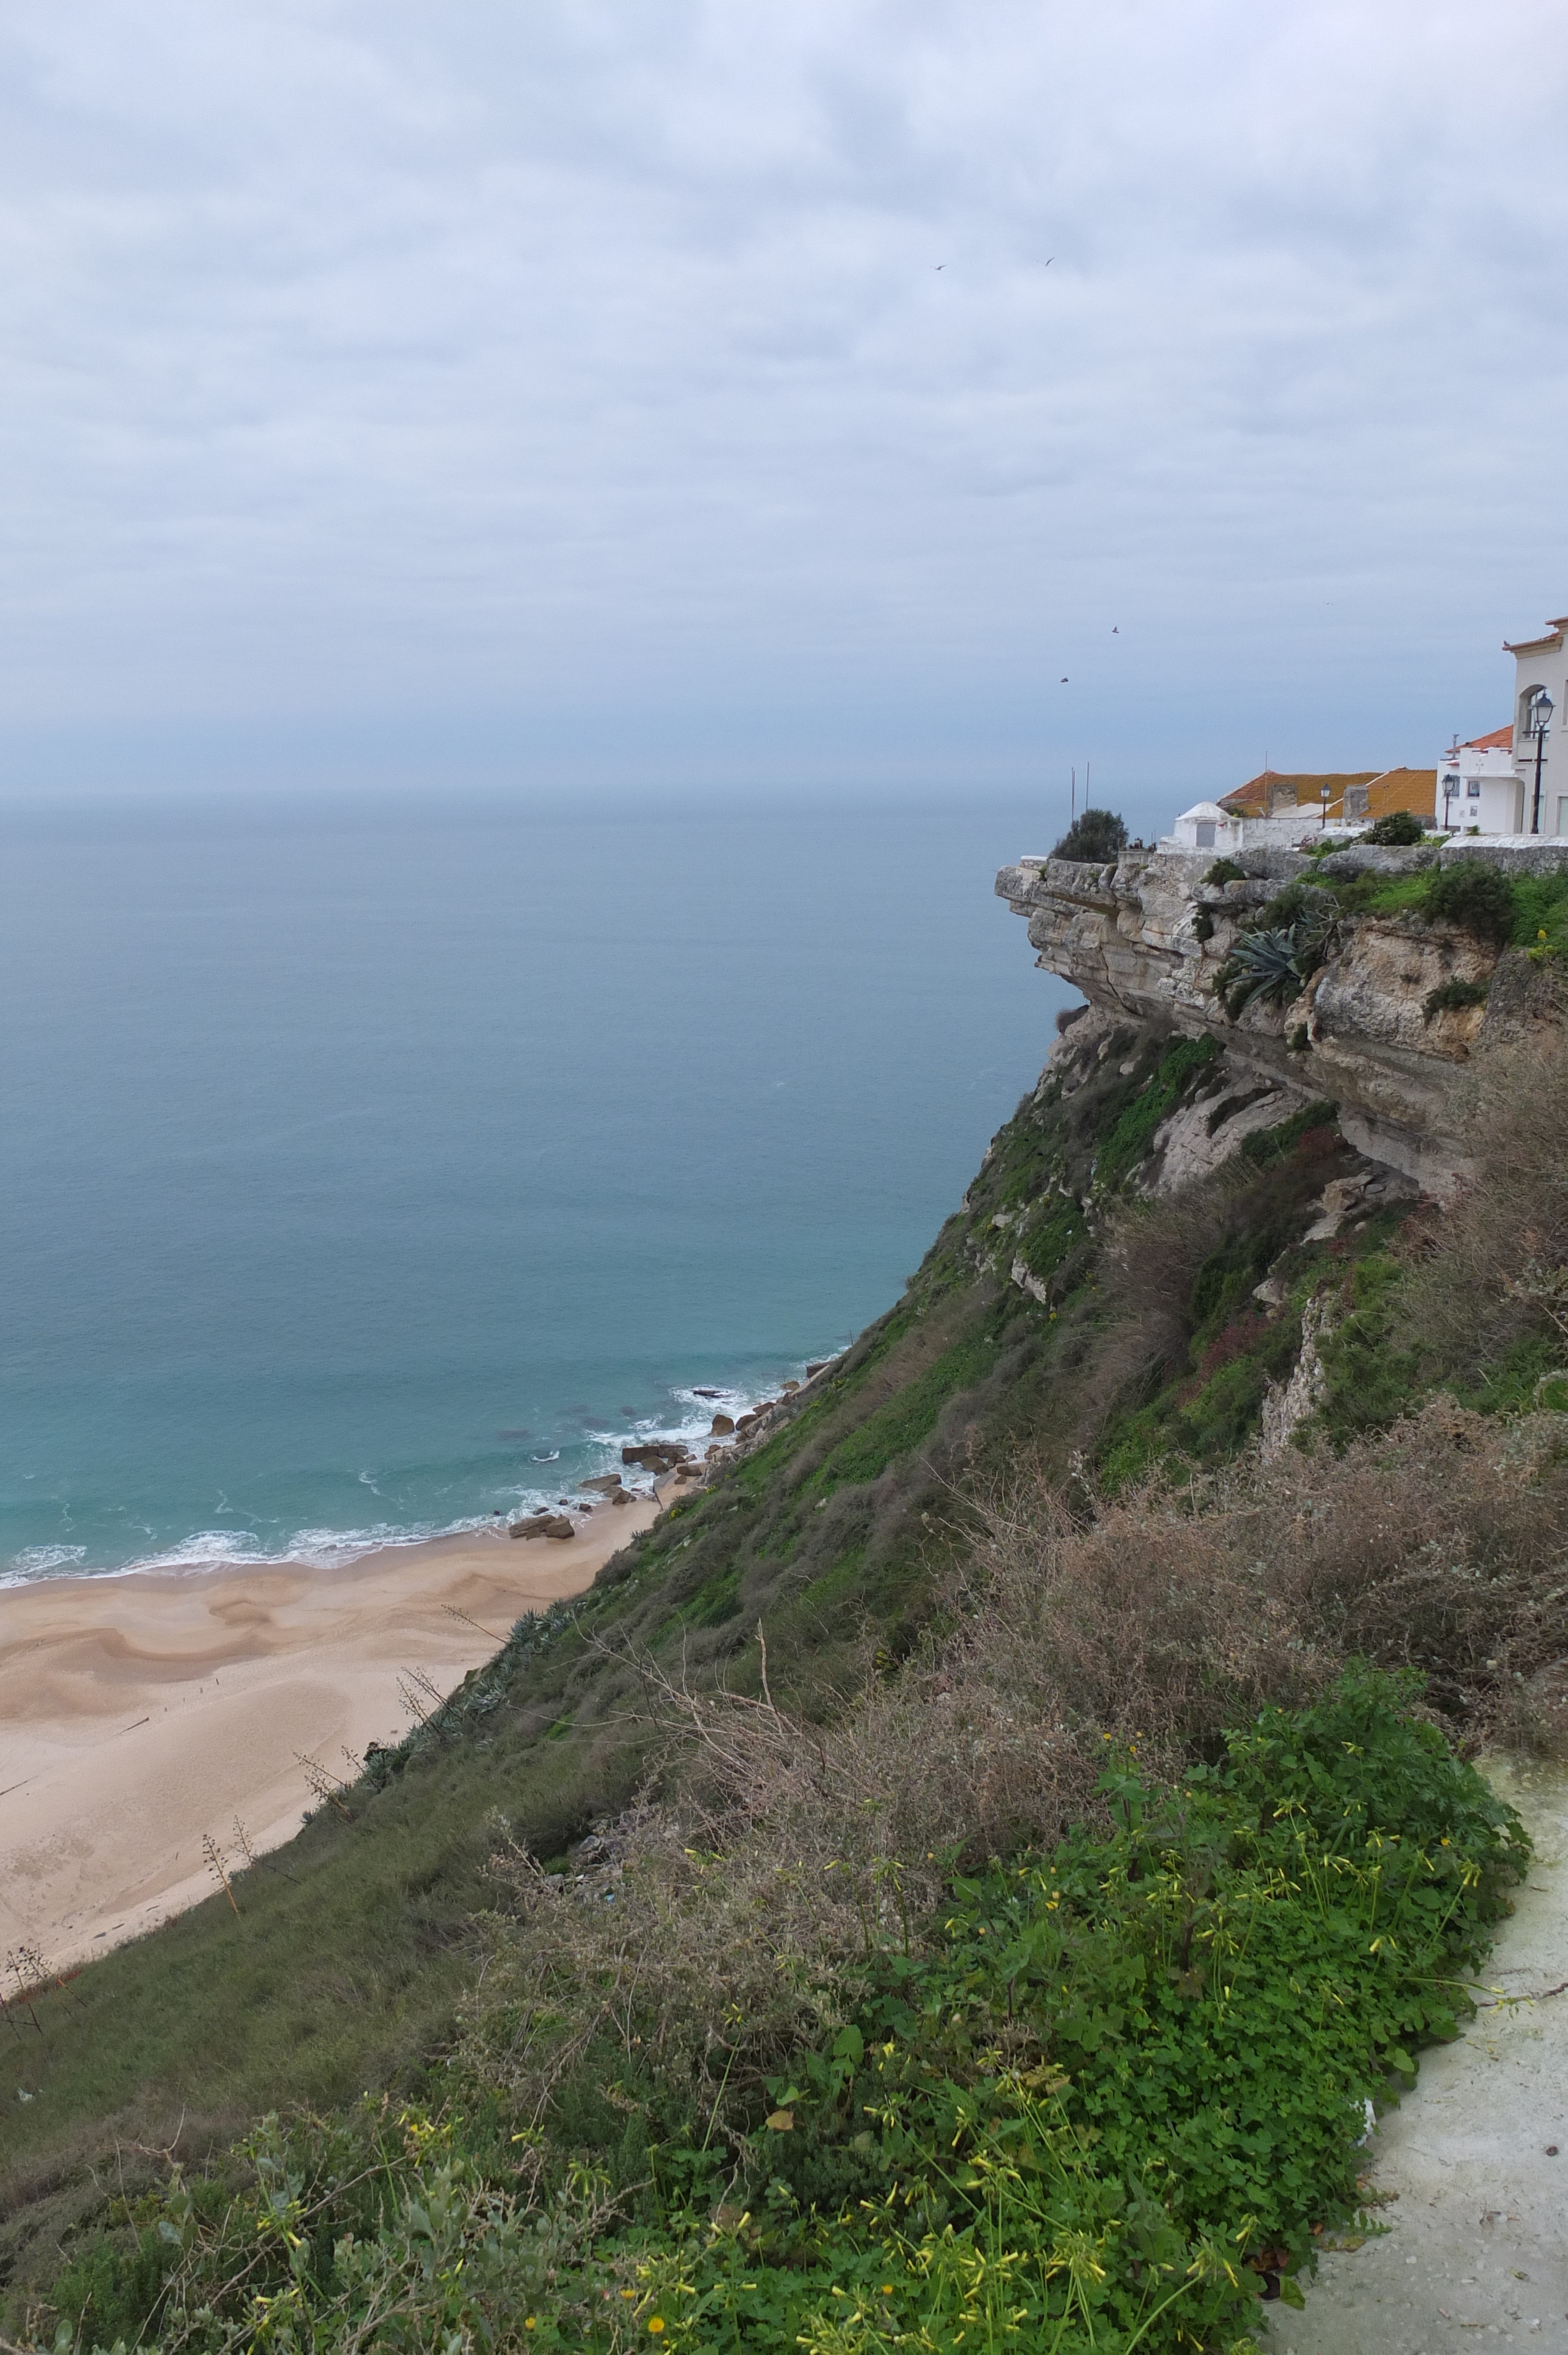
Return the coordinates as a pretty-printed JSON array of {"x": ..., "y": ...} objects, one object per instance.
[
  {"x": 1541, "y": 708},
  {"x": 1325, "y": 793}
]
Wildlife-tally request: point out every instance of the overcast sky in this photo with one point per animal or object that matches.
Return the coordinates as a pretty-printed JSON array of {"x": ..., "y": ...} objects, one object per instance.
[{"x": 651, "y": 393}]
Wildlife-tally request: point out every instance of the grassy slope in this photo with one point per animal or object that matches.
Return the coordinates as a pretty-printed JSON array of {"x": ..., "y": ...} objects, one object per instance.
[{"x": 342, "y": 1971}]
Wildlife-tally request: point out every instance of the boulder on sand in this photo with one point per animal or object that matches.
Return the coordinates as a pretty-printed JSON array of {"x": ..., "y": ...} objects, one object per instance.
[
  {"x": 543, "y": 1525},
  {"x": 656, "y": 1455},
  {"x": 605, "y": 1481}
]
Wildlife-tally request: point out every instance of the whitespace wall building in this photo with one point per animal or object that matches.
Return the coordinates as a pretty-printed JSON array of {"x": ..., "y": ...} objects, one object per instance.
[{"x": 1539, "y": 710}]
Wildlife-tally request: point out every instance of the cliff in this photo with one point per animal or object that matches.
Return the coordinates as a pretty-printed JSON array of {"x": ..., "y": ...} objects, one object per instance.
[{"x": 1152, "y": 939}]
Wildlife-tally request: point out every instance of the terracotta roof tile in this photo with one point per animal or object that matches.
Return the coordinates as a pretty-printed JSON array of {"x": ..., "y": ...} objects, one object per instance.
[{"x": 1388, "y": 790}]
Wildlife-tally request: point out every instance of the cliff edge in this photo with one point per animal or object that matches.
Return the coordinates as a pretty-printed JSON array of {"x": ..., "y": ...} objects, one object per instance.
[{"x": 1394, "y": 1004}]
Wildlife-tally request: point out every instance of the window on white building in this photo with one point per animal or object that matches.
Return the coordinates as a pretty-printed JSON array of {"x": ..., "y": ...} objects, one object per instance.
[
  {"x": 1473, "y": 790},
  {"x": 1205, "y": 833}
]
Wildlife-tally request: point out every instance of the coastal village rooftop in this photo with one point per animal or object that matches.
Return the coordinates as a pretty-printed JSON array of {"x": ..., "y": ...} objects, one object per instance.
[{"x": 1277, "y": 810}]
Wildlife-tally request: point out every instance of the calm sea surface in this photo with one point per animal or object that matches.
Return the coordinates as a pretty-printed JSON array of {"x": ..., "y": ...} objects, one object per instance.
[{"x": 366, "y": 1168}]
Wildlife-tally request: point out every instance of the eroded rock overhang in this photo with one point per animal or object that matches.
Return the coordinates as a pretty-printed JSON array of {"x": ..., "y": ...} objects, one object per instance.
[{"x": 1148, "y": 937}]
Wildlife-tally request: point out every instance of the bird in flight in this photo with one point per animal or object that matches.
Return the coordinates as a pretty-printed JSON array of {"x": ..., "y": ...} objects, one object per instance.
[
  {"x": 939, "y": 265},
  {"x": 1064, "y": 682},
  {"x": 1116, "y": 630}
]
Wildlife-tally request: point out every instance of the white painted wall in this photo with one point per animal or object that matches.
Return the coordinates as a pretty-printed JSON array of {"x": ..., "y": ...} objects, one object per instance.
[
  {"x": 1543, "y": 662},
  {"x": 1482, "y": 789}
]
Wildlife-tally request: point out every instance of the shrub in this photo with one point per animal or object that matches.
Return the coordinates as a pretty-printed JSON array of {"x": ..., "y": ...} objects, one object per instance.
[
  {"x": 1097, "y": 837},
  {"x": 1452, "y": 995},
  {"x": 1225, "y": 870},
  {"x": 1490, "y": 1275},
  {"x": 1098, "y": 2095},
  {"x": 1475, "y": 895},
  {"x": 1399, "y": 830}
]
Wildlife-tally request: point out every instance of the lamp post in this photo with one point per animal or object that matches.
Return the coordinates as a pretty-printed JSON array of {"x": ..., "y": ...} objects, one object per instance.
[
  {"x": 1323, "y": 793},
  {"x": 1541, "y": 709}
]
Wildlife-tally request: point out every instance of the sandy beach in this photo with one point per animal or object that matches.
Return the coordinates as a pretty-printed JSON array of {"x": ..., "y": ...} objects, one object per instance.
[{"x": 138, "y": 1713}]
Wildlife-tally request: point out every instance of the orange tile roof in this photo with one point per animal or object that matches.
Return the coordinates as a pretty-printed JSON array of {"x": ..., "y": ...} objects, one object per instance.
[
  {"x": 1404, "y": 789},
  {"x": 1387, "y": 789},
  {"x": 1254, "y": 798},
  {"x": 1495, "y": 742}
]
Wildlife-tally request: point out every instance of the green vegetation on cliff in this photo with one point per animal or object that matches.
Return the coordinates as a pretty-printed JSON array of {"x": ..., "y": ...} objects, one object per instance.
[{"x": 694, "y": 1985}]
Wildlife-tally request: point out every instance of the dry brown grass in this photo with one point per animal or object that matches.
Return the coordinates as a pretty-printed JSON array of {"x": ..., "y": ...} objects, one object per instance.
[
  {"x": 714, "y": 1929},
  {"x": 1493, "y": 1263},
  {"x": 719, "y": 1926}
]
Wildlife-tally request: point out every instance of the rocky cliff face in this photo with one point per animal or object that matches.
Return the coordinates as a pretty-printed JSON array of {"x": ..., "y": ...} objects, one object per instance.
[{"x": 1146, "y": 939}]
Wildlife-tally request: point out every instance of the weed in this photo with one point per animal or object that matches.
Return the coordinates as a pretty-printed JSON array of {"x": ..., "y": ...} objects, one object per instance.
[
  {"x": 1094, "y": 2097},
  {"x": 1475, "y": 895},
  {"x": 1450, "y": 995}
]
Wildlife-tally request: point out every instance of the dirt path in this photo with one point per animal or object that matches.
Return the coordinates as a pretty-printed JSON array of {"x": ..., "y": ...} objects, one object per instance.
[{"x": 1477, "y": 2253}]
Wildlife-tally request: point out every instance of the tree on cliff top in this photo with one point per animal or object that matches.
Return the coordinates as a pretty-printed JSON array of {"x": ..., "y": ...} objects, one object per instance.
[{"x": 1096, "y": 837}]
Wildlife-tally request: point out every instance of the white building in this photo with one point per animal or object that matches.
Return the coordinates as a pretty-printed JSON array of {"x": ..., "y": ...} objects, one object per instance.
[
  {"x": 1205, "y": 826},
  {"x": 1540, "y": 714},
  {"x": 1478, "y": 788}
]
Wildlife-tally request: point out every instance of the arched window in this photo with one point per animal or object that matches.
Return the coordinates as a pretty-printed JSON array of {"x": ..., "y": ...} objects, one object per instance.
[{"x": 1534, "y": 712}]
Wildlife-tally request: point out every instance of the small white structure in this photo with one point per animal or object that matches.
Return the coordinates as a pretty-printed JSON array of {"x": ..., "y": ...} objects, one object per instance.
[
  {"x": 1479, "y": 790},
  {"x": 1540, "y": 714},
  {"x": 1205, "y": 826},
  {"x": 1208, "y": 827}
]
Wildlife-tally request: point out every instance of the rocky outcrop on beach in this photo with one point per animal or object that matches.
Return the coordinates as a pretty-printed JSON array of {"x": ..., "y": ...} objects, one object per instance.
[
  {"x": 656, "y": 1455},
  {"x": 544, "y": 1525}
]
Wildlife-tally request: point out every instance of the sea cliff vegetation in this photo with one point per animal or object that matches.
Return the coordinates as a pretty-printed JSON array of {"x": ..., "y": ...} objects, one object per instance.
[{"x": 957, "y": 1881}]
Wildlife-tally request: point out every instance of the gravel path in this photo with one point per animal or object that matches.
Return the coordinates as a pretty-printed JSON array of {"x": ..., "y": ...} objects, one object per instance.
[{"x": 1474, "y": 2164}]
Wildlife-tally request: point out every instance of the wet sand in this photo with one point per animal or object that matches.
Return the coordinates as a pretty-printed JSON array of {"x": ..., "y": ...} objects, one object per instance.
[{"x": 138, "y": 1714}]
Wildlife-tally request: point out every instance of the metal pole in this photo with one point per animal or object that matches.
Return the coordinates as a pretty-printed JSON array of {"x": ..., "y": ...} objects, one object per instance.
[{"x": 1540, "y": 748}]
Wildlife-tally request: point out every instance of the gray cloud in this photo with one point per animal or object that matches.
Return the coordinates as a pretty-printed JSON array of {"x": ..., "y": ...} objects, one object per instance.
[{"x": 572, "y": 391}]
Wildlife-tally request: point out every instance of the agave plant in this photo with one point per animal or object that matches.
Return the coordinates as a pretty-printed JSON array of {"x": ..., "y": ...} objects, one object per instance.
[{"x": 1275, "y": 964}]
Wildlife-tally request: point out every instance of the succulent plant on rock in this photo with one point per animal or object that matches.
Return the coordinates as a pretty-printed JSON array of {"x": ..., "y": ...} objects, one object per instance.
[{"x": 1275, "y": 961}]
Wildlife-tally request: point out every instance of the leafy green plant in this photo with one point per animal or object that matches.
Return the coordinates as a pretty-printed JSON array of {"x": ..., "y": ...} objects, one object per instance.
[
  {"x": 1450, "y": 995},
  {"x": 1398, "y": 829},
  {"x": 1274, "y": 958},
  {"x": 1473, "y": 894},
  {"x": 1225, "y": 870},
  {"x": 1101, "y": 2101},
  {"x": 1096, "y": 836}
]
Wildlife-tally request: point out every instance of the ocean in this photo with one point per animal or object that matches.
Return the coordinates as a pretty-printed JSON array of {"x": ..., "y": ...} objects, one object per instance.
[{"x": 368, "y": 1168}]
